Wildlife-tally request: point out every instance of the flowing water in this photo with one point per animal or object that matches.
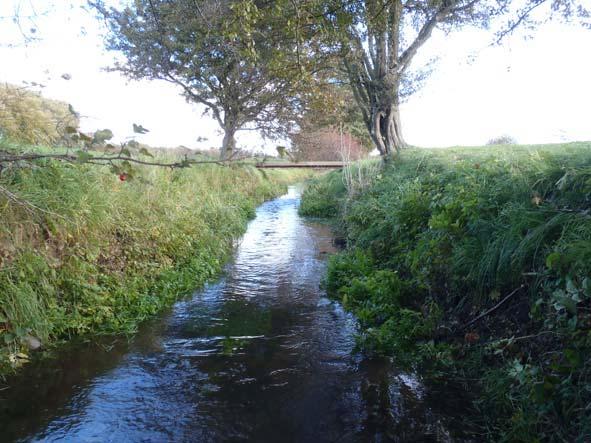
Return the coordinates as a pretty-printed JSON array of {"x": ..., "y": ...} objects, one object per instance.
[{"x": 261, "y": 355}]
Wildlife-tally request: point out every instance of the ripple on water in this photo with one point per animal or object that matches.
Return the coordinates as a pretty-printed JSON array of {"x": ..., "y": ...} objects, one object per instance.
[{"x": 260, "y": 355}]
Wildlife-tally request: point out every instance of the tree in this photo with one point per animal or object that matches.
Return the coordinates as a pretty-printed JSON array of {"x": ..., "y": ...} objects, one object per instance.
[
  {"x": 331, "y": 126},
  {"x": 21, "y": 19},
  {"x": 376, "y": 42},
  {"x": 326, "y": 144},
  {"x": 223, "y": 54},
  {"x": 334, "y": 106}
]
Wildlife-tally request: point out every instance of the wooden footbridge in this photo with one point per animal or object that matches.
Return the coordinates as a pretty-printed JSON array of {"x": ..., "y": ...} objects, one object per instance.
[{"x": 312, "y": 165}]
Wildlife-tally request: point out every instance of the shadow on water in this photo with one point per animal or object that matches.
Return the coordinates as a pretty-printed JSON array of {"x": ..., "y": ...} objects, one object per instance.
[{"x": 261, "y": 355}]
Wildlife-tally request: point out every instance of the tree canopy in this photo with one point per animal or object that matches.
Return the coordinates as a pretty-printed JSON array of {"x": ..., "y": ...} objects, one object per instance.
[
  {"x": 375, "y": 43},
  {"x": 249, "y": 62},
  {"x": 225, "y": 55},
  {"x": 255, "y": 64}
]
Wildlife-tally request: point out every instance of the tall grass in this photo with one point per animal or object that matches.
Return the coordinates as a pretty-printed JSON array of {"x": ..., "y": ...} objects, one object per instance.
[
  {"x": 479, "y": 268},
  {"x": 83, "y": 252},
  {"x": 30, "y": 118}
]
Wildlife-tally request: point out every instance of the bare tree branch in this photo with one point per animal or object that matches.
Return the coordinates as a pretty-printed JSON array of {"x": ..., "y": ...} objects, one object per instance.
[{"x": 8, "y": 157}]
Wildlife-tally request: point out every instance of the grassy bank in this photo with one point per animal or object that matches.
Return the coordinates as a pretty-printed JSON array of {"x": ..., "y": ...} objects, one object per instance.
[
  {"x": 84, "y": 252},
  {"x": 474, "y": 265}
]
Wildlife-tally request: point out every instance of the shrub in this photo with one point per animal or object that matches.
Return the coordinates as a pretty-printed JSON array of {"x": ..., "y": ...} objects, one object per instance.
[
  {"x": 327, "y": 144},
  {"x": 502, "y": 140},
  {"x": 323, "y": 197}
]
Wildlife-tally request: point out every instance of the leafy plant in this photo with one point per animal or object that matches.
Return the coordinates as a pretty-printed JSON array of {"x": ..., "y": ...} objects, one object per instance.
[
  {"x": 83, "y": 252},
  {"x": 476, "y": 264}
]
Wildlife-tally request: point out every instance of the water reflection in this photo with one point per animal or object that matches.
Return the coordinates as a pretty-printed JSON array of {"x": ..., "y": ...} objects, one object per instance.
[{"x": 261, "y": 355}]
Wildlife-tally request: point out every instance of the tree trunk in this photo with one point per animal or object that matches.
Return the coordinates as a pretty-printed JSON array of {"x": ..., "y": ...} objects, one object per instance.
[
  {"x": 386, "y": 130},
  {"x": 395, "y": 134},
  {"x": 228, "y": 144}
]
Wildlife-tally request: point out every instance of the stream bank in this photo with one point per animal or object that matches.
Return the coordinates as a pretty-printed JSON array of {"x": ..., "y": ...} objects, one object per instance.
[{"x": 260, "y": 355}]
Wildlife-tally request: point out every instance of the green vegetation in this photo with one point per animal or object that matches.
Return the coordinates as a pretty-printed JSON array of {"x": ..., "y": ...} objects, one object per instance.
[
  {"x": 474, "y": 264},
  {"x": 83, "y": 250},
  {"x": 30, "y": 118},
  {"x": 323, "y": 197}
]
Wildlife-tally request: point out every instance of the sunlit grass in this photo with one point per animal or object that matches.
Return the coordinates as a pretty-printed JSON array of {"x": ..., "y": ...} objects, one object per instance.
[
  {"x": 82, "y": 251},
  {"x": 443, "y": 236}
]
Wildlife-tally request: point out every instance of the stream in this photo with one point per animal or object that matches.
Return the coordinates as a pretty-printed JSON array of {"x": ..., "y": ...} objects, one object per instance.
[{"x": 260, "y": 355}]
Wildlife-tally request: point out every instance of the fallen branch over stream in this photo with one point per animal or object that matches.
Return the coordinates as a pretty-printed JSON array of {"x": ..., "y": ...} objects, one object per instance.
[{"x": 84, "y": 157}]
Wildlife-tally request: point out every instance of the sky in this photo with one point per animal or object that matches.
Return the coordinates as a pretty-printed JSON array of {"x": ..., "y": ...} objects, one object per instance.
[{"x": 536, "y": 90}]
